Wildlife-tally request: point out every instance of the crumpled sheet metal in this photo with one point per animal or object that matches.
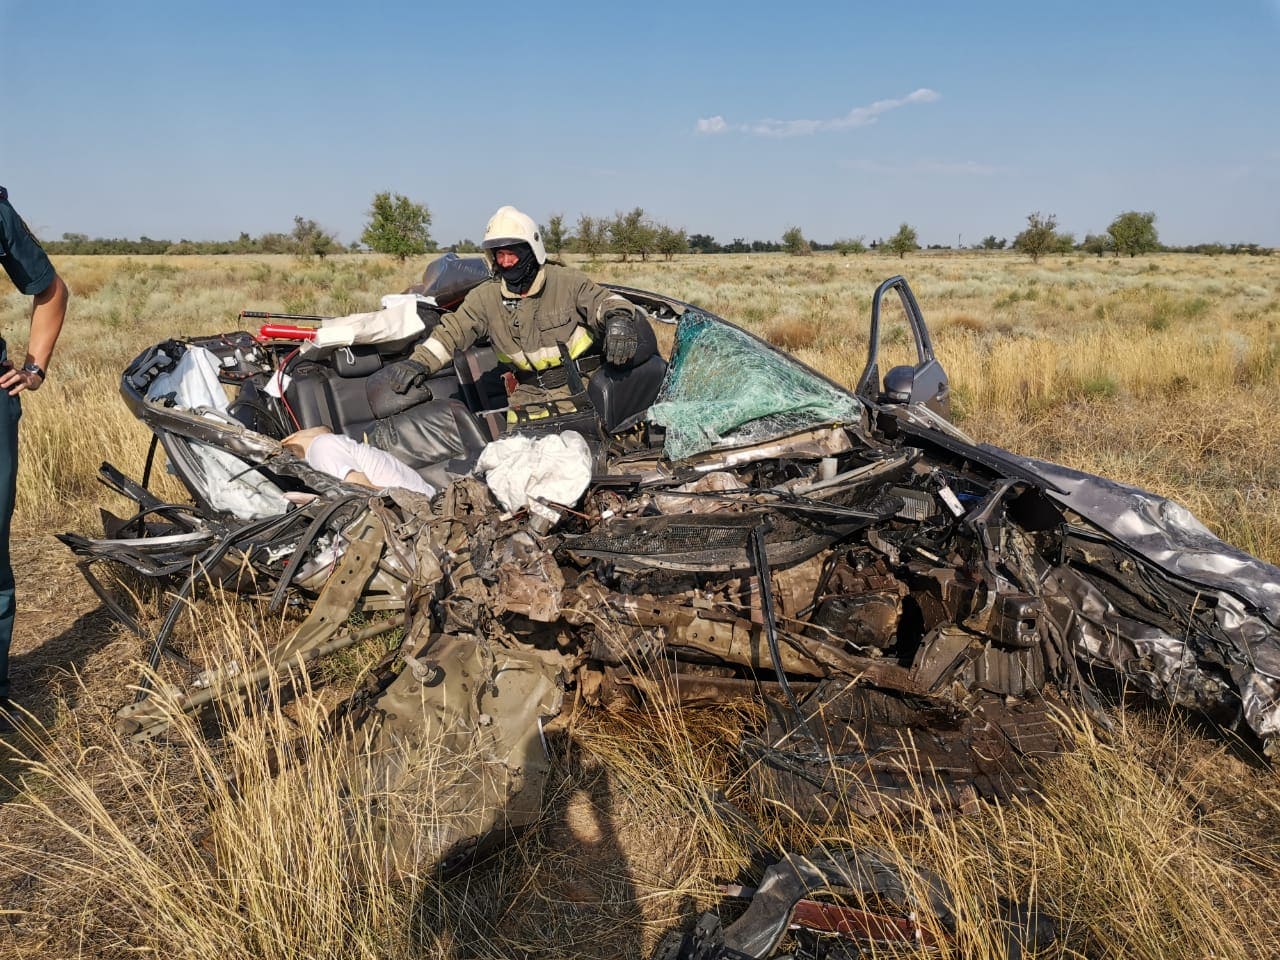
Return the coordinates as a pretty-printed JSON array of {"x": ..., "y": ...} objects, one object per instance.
[
  {"x": 1168, "y": 535},
  {"x": 1166, "y": 665},
  {"x": 452, "y": 740},
  {"x": 453, "y": 756},
  {"x": 715, "y": 482},
  {"x": 1242, "y": 591},
  {"x": 531, "y": 586}
]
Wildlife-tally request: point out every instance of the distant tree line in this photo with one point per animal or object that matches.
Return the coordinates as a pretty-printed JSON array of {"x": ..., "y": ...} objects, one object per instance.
[
  {"x": 307, "y": 238},
  {"x": 396, "y": 225},
  {"x": 1131, "y": 233},
  {"x": 630, "y": 234},
  {"x": 400, "y": 227},
  {"x": 634, "y": 234},
  {"x": 1217, "y": 249}
]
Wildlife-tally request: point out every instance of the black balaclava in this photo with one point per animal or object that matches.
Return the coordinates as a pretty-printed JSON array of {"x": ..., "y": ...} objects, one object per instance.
[{"x": 519, "y": 278}]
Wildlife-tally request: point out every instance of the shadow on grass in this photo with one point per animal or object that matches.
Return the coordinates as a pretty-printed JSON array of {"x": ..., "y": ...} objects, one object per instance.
[
  {"x": 563, "y": 889},
  {"x": 37, "y": 689}
]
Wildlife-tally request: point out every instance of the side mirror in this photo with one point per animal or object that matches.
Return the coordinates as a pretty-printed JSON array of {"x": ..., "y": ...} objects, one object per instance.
[
  {"x": 898, "y": 383},
  {"x": 922, "y": 382}
]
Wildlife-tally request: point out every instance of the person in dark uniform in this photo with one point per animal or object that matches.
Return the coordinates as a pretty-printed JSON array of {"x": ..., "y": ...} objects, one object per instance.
[{"x": 27, "y": 265}]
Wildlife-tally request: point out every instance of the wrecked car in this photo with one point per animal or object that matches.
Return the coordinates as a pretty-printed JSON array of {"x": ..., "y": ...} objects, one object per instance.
[{"x": 912, "y": 608}]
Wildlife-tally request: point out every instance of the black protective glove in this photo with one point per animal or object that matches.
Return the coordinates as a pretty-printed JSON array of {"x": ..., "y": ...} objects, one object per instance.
[
  {"x": 620, "y": 337},
  {"x": 405, "y": 375}
]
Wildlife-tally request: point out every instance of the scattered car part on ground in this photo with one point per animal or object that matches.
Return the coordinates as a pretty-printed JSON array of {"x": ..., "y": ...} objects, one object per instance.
[{"x": 857, "y": 888}]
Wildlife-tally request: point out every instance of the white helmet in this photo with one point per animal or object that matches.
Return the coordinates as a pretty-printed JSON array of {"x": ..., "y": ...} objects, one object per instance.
[{"x": 508, "y": 227}]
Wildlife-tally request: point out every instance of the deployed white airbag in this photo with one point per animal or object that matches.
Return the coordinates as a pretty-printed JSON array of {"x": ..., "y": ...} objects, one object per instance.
[
  {"x": 397, "y": 320},
  {"x": 225, "y": 484},
  {"x": 555, "y": 468}
]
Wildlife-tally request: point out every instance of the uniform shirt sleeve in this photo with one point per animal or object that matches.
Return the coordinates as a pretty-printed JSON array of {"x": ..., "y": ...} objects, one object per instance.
[
  {"x": 456, "y": 331},
  {"x": 596, "y": 302},
  {"x": 23, "y": 258}
]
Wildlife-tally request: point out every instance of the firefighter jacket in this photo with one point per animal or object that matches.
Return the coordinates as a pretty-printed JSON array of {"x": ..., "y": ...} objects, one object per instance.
[{"x": 562, "y": 306}]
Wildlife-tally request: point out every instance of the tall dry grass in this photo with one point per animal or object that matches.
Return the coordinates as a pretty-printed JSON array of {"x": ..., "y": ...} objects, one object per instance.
[
  {"x": 1156, "y": 843},
  {"x": 234, "y": 835},
  {"x": 1132, "y": 846},
  {"x": 197, "y": 847}
]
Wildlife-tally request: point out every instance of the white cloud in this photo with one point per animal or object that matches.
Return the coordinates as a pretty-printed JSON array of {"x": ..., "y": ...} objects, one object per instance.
[{"x": 857, "y": 117}]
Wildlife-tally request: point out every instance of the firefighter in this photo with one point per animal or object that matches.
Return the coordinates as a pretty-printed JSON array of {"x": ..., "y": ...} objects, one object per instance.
[{"x": 527, "y": 310}]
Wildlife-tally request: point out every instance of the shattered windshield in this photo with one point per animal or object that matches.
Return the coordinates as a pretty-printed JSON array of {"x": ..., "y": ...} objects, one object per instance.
[{"x": 725, "y": 388}]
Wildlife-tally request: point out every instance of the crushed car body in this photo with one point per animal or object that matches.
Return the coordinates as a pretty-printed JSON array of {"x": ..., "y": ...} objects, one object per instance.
[{"x": 910, "y": 606}]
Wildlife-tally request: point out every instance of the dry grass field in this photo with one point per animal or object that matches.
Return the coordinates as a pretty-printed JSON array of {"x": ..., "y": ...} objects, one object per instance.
[{"x": 1158, "y": 840}]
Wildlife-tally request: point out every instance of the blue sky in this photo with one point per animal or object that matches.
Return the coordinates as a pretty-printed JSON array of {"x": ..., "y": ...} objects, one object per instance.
[{"x": 200, "y": 120}]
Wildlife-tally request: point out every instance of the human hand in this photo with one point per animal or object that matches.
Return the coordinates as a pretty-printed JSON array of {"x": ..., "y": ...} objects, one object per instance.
[
  {"x": 15, "y": 380},
  {"x": 620, "y": 339},
  {"x": 405, "y": 375}
]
